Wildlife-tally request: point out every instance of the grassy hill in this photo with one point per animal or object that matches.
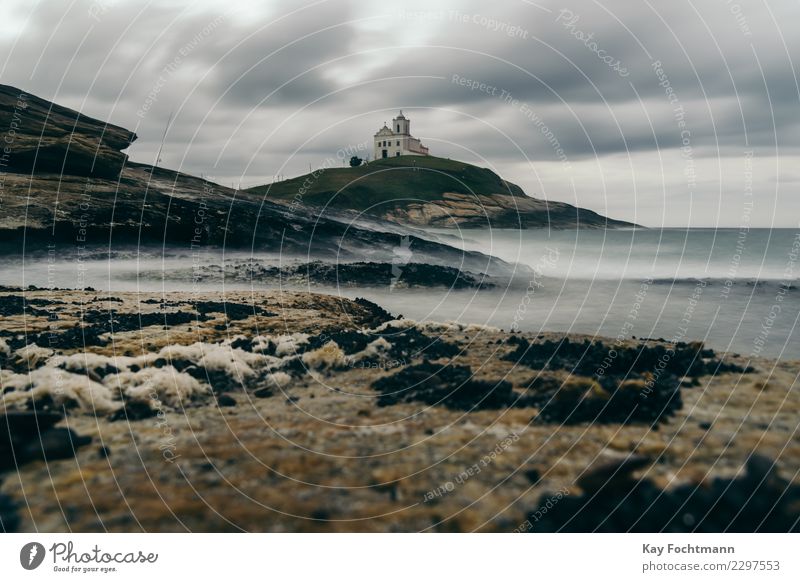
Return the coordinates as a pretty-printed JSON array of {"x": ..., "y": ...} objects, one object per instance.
[
  {"x": 418, "y": 178},
  {"x": 430, "y": 191}
]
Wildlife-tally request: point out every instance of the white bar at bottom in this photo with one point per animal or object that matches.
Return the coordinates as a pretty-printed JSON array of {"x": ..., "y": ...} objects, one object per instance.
[{"x": 405, "y": 557}]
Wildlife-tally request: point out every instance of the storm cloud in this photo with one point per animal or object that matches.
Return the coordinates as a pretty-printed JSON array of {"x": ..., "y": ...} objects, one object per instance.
[{"x": 664, "y": 114}]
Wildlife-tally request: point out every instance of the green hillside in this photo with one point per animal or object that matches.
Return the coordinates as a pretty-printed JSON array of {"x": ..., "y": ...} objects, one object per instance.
[{"x": 417, "y": 178}]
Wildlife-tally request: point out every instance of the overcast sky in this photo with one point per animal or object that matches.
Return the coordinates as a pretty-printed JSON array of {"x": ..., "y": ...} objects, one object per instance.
[{"x": 663, "y": 113}]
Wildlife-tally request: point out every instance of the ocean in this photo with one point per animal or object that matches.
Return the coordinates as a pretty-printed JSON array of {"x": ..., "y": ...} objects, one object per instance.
[{"x": 735, "y": 289}]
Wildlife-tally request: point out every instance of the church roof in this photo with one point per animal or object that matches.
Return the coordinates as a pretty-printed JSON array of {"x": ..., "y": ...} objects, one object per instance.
[
  {"x": 384, "y": 131},
  {"x": 401, "y": 116}
]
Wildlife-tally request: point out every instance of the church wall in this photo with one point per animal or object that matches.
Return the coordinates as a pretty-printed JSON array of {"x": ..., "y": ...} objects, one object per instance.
[{"x": 397, "y": 143}]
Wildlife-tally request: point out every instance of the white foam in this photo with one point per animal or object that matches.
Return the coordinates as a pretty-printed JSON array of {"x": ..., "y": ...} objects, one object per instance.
[
  {"x": 165, "y": 384},
  {"x": 289, "y": 344},
  {"x": 215, "y": 357},
  {"x": 279, "y": 379},
  {"x": 64, "y": 388},
  {"x": 33, "y": 355},
  {"x": 328, "y": 356},
  {"x": 375, "y": 349}
]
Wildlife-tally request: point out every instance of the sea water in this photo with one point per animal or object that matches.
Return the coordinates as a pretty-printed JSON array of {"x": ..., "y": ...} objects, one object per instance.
[{"x": 735, "y": 289}]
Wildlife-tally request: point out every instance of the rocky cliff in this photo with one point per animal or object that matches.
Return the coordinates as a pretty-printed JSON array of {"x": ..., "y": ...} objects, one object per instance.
[
  {"x": 498, "y": 211},
  {"x": 42, "y": 137},
  {"x": 65, "y": 181}
]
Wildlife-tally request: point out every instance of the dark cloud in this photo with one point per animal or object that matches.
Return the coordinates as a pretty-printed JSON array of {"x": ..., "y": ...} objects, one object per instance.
[{"x": 255, "y": 90}]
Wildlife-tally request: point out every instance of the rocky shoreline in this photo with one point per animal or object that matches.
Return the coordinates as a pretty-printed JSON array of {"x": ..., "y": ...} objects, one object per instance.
[
  {"x": 327, "y": 274},
  {"x": 279, "y": 411}
]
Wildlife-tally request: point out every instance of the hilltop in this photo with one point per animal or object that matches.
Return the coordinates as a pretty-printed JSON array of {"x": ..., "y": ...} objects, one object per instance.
[{"x": 430, "y": 191}]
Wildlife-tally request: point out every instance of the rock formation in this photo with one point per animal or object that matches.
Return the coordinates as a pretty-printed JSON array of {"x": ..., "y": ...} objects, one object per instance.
[
  {"x": 66, "y": 182},
  {"x": 42, "y": 137}
]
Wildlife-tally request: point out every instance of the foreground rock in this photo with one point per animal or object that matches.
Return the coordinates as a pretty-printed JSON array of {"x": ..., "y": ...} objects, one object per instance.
[
  {"x": 615, "y": 384},
  {"x": 9, "y": 519},
  {"x": 278, "y": 411},
  {"x": 27, "y": 436},
  {"x": 759, "y": 500}
]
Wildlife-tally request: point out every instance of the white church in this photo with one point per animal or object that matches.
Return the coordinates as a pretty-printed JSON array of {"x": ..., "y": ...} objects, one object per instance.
[{"x": 396, "y": 140}]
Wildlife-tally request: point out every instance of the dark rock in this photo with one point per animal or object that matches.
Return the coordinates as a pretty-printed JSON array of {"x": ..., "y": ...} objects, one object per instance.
[
  {"x": 11, "y": 305},
  {"x": 533, "y": 476},
  {"x": 99, "y": 323},
  {"x": 45, "y": 403},
  {"x": 113, "y": 321},
  {"x": 226, "y": 400},
  {"x": 349, "y": 274},
  {"x": 321, "y": 515},
  {"x": 445, "y": 385},
  {"x": 596, "y": 359},
  {"x": 410, "y": 343},
  {"x": 579, "y": 399},
  {"x": 374, "y": 315},
  {"x": 133, "y": 410},
  {"x": 232, "y": 311},
  {"x": 349, "y": 341},
  {"x": 242, "y": 343},
  {"x": 405, "y": 344},
  {"x": 383, "y": 274},
  {"x": 263, "y": 393},
  {"x": 9, "y": 519},
  {"x": 219, "y": 380},
  {"x": 294, "y": 366},
  {"x": 16, "y": 424},
  {"x": 29, "y": 436},
  {"x": 612, "y": 384},
  {"x": 75, "y": 337},
  {"x": 611, "y": 474},
  {"x": 55, "y": 444},
  {"x": 97, "y": 373},
  {"x": 758, "y": 501}
]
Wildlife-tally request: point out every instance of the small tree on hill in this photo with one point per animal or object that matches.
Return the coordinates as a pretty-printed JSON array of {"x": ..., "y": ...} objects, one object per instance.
[{"x": 355, "y": 161}]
